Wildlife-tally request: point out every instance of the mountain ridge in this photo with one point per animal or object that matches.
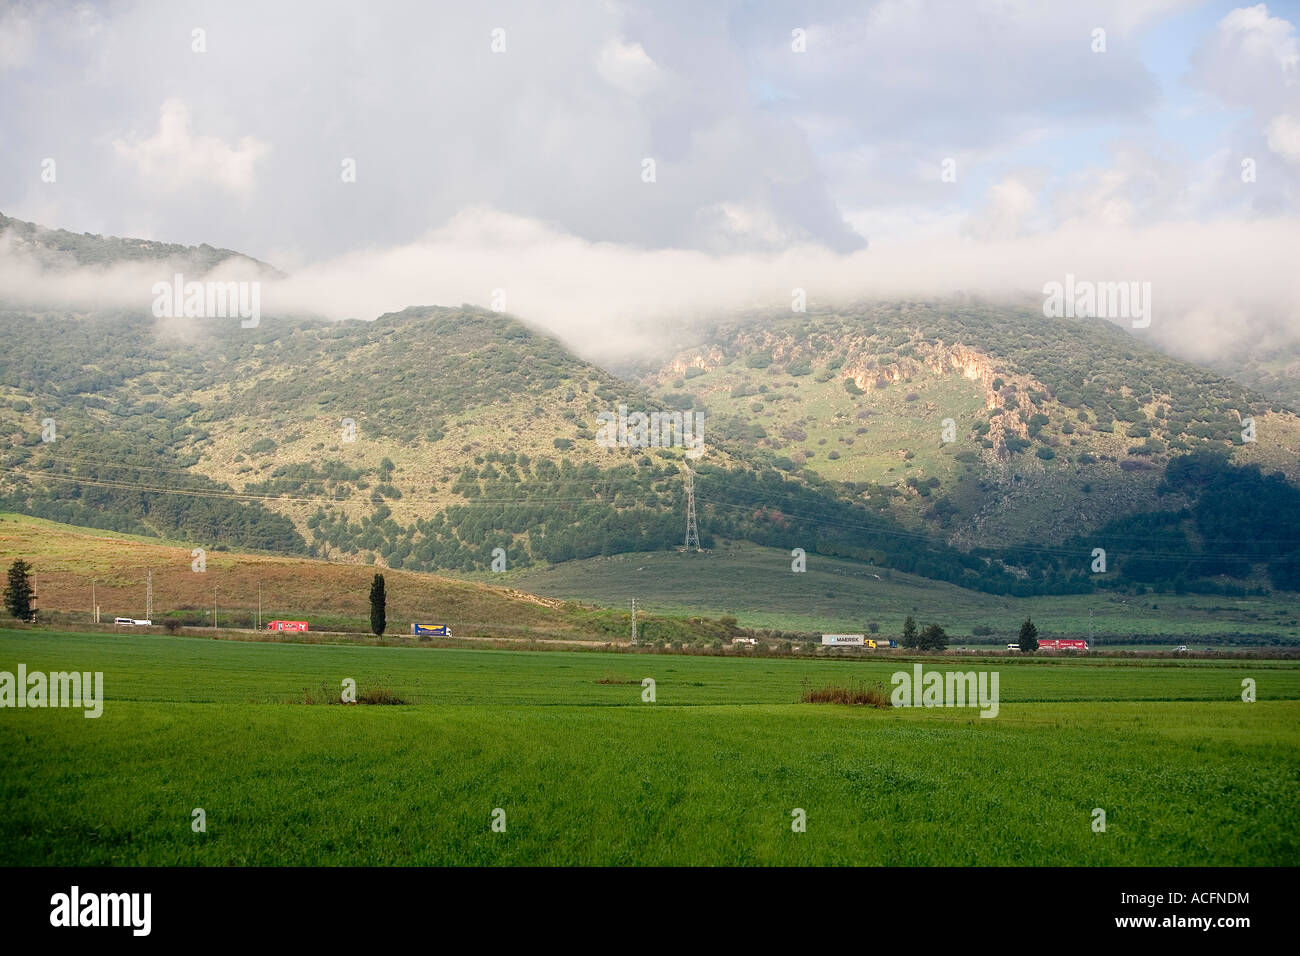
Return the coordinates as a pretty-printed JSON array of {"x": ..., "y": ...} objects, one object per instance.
[{"x": 434, "y": 436}]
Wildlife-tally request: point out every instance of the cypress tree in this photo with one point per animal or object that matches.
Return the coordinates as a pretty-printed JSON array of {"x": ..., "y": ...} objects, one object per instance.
[{"x": 378, "y": 610}]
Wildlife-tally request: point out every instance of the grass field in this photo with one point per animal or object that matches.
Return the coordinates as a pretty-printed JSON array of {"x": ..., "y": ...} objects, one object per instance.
[{"x": 587, "y": 773}]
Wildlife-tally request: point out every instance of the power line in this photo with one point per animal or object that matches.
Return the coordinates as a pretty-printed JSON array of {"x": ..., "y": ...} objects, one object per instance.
[
  {"x": 594, "y": 483},
  {"x": 448, "y": 503}
]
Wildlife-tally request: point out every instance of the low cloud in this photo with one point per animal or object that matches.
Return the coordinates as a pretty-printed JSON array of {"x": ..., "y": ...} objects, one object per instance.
[{"x": 1216, "y": 288}]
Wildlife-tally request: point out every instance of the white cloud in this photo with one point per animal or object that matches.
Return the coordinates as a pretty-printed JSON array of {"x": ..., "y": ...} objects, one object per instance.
[
  {"x": 17, "y": 38},
  {"x": 1265, "y": 38},
  {"x": 1008, "y": 205},
  {"x": 1284, "y": 137},
  {"x": 176, "y": 158},
  {"x": 1250, "y": 59},
  {"x": 625, "y": 66},
  {"x": 1215, "y": 286}
]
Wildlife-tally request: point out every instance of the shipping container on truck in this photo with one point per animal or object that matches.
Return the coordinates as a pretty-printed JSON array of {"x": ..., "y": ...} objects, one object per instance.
[
  {"x": 845, "y": 640},
  {"x": 1063, "y": 644},
  {"x": 431, "y": 630}
]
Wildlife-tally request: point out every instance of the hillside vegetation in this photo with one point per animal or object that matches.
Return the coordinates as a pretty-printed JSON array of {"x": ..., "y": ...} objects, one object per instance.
[
  {"x": 968, "y": 442},
  {"x": 986, "y": 422}
]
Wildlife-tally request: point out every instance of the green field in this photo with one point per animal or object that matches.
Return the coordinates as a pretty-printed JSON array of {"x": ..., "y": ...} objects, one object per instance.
[
  {"x": 835, "y": 595},
  {"x": 587, "y": 773}
]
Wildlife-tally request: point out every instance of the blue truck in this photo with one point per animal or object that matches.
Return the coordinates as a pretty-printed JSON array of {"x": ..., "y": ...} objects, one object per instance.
[{"x": 431, "y": 630}]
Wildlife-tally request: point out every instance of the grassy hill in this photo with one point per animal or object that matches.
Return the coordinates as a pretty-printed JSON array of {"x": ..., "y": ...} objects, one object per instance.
[
  {"x": 329, "y": 595},
  {"x": 471, "y": 433},
  {"x": 757, "y": 586},
  {"x": 1053, "y": 426}
]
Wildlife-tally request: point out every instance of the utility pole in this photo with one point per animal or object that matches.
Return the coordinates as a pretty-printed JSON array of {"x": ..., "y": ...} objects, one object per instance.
[
  {"x": 148, "y": 597},
  {"x": 1090, "y": 627},
  {"x": 94, "y": 607},
  {"x": 692, "y": 532},
  {"x": 214, "y": 609},
  {"x": 259, "y": 605},
  {"x": 634, "y": 620}
]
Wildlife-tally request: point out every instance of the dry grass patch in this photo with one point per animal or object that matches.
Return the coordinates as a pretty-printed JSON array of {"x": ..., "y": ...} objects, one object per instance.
[
  {"x": 378, "y": 695},
  {"x": 867, "y": 695}
]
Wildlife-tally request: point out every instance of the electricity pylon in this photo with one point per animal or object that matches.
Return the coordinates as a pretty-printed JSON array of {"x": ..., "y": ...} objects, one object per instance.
[{"x": 692, "y": 532}]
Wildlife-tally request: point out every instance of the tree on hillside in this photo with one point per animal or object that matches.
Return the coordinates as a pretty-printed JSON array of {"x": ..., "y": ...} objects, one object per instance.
[
  {"x": 1028, "y": 636},
  {"x": 910, "y": 638},
  {"x": 934, "y": 638},
  {"x": 378, "y": 610},
  {"x": 19, "y": 596}
]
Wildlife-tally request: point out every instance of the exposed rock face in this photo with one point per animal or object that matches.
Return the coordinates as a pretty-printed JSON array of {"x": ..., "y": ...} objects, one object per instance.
[
  {"x": 707, "y": 359},
  {"x": 868, "y": 373},
  {"x": 864, "y": 366},
  {"x": 971, "y": 364}
]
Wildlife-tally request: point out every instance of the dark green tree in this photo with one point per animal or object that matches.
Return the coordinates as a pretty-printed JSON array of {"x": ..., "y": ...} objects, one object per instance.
[
  {"x": 1028, "y": 636},
  {"x": 934, "y": 638},
  {"x": 19, "y": 596},
  {"x": 378, "y": 610},
  {"x": 910, "y": 638}
]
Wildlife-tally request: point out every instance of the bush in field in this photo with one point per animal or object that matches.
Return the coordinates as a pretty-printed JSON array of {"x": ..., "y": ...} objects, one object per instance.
[
  {"x": 379, "y": 695},
  {"x": 869, "y": 695}
]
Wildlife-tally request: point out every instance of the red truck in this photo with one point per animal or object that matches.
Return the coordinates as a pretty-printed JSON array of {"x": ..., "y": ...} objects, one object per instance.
[
  {"x": 287, "y": 626},
  {"x": 1063, "y": 644}
]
